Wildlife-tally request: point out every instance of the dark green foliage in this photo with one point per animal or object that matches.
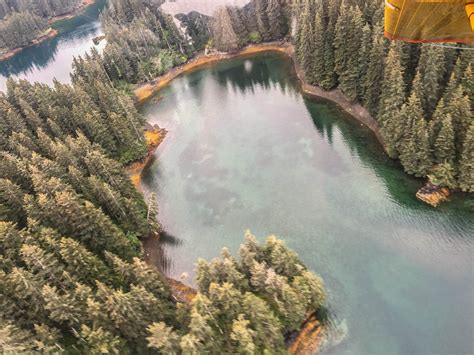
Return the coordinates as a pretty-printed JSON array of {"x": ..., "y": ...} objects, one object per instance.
[
  {"x": 259, "y": 20},
  {"x": 245, "y": 306},
  {"x": 143, "y": 42},
  {"x": 20, "y": 29},
  {"x": 466, "y": 163},
  {"x": 421, "y": 95},
  {"x": 197, "y": 28},
  {"x": 23, "y": 21}
]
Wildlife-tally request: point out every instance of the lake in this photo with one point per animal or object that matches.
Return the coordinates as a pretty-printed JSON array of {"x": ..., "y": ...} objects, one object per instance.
[
  {"x": 247, "y": 150},
  {"x": 53, "y": 57}
]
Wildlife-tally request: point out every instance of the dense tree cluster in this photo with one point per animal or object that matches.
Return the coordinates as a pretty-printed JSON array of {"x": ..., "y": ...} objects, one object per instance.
[
  {"x": 20, "y": 29},
  {"x": 43, "y": 8},
  {"x": 258, "y": 21},
  {"x": 70, "y": 222},
  {"x": 54, "y": 169},
  {"x": 245, "y": 306},
  {"x": 22, "y": 21},
  {"x": 421, "y": 95},
  {"x": 57, "y": 295},
  {"x": 142, "y": 41},
  {"x": 71, "y": 278}
]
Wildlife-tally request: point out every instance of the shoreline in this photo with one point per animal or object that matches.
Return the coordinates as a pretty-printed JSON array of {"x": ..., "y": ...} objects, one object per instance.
[
  {"x": 356, "y": 111},
  {"x": 146, "y": 90},
  {"x": 71, "y": 14},
  {"x": 154, "y": 135},
  {"x": 51, "y": 32}
]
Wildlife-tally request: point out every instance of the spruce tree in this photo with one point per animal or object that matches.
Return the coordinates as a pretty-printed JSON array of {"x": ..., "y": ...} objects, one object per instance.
[
  {"x": 391, "y": 100},
  {"x": 415, "y": 153},
  {"x": 330, "y": 76},
  {"x": 152, "y": 215},
  {"x": 317, "y": 59},
  {"x": 305, "y": 49},
  {"x": 275, "y": 18},
  {"x": 466, "y": 162},
  {"x": 393, "y": 87},
  {"x": 444, "y": 148},
  {"x": 432, "y": 69},
  {"x": 375, "y": 73}
]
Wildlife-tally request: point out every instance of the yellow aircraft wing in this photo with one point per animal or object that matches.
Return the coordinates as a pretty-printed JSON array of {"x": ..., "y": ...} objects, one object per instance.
[{"x": 430, "y": 20}]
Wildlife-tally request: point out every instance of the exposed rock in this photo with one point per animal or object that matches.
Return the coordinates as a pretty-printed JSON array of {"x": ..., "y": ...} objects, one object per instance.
[
  {"x": 308, "y": 339},
  {"x": 433, "y": 194}
]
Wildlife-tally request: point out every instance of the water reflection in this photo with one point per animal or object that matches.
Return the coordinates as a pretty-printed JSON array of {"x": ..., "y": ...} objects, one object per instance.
[
  {"x": 246, "y": 150},
  {"x": 157, "y": 251}
]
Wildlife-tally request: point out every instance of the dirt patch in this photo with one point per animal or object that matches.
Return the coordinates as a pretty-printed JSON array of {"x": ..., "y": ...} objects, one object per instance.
[
  {"x": 181, "y": 292},
  {"x": 154, "y": 135}
]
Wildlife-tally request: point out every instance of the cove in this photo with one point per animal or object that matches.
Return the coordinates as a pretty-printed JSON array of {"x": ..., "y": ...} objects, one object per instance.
[
  {"x": 246, "y": 149},
  {"x": 53, "y": 58}
]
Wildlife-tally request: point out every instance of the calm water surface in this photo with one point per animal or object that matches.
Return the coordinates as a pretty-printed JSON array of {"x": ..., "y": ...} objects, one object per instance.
[
  {"x": 53, "y": 57},
  {"x": 246, "y": 150}
]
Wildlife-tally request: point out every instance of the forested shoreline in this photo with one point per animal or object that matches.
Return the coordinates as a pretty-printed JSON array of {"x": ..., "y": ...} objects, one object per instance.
[
  {"x": 23, "y": 22},
  {"x": 72, "y": 277},
  {"x": 71, "y": 271},
  {"x": 420, "y": 95}
]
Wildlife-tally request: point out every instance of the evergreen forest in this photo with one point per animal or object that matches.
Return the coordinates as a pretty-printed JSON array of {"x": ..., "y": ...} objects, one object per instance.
[
  {"x": 72, "y": 275},
  {"x": 422, "y": 95},
  {"x": 22, "y": 21}
]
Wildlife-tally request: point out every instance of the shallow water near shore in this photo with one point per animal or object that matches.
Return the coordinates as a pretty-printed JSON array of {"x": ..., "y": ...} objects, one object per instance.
[{"x": 246, "y": 150}]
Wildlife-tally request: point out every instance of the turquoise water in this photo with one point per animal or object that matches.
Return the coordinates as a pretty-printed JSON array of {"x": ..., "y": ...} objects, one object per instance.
[
  {"x": 53, "y": 57},
  {"x": 246, "y": 150}
]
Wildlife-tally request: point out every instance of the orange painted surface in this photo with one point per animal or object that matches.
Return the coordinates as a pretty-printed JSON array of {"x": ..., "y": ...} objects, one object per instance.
[{"x": 429, "y": 20}]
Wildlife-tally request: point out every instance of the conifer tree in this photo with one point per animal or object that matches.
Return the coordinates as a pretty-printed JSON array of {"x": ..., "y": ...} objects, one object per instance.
[
  {"x": 432, "y": 69},
  {"x": 225, "y": 38},
  {"x": 444, "y": 149},
  {"x": 415, "y": 154},
  {"x": 443, "y": 174},
  {"x": 393, "y": 87},
  {"x": 152, "y": 215},
  {"x": 305, "y": 48},
  {"x": 330, "y": 77},
  {"x": 275, "y": 18},
  {"x": 317, "y": 59},
  {"x": 466, "y": 163},
  {"x": 375, "y": 73}
]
